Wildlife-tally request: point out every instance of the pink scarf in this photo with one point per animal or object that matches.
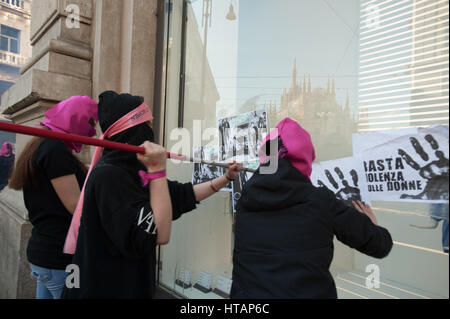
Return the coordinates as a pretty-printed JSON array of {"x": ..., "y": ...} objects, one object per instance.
[
  {"x": 297, "y": 141},
  {"x": 72, "y": 116},
  {"x": 138, "y": 116}
]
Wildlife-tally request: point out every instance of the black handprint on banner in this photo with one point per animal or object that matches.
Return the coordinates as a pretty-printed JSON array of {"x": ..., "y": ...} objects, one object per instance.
[
  {"x": 435, "y": 172},
  {"x": 348, "y": 193}
]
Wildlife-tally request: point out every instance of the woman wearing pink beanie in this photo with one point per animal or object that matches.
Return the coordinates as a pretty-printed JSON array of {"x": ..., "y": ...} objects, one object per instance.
[
  {"x": 51, "y": 178},
  {"x": 285, "y": 226}
]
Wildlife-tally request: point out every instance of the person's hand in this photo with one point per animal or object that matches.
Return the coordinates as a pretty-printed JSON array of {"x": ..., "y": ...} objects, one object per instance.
[
  {"x": 155, "y": 157},
  {"x": 232, "y": 172},
  {"x": 365, "y": 209}
]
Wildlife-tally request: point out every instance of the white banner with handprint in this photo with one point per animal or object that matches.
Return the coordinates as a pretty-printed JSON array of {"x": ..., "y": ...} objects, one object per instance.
[
  {"x": 399, "y": 165},
  {"x": 411, "y": 167},
  {"x": 345, "y": 177}
]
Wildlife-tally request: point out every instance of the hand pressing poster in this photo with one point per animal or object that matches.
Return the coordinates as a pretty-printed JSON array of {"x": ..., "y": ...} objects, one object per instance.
[
  {"x": 412, "y": 167},
  {"x": 240, "y": 136},
  {"x": 344, "y": 177},
  {"x": 204, "y": 173}
]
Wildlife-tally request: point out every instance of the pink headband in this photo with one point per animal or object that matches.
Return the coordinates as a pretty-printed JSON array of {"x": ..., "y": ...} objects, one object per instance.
[{"x": 138, "y": 116}]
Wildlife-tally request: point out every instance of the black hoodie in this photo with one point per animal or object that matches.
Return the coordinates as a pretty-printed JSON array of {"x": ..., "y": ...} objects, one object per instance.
[
  {"x": 284, "y": 237},
  {"x": 117, "y": 236}
]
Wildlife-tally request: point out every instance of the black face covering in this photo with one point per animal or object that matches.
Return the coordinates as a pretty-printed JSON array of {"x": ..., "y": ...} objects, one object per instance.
[{"x": 111, "y": 108}]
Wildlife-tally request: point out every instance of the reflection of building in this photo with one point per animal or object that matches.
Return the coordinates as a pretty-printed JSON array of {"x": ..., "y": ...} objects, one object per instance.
[
  {"x": 15, "y": 46},
  {"x": 200, "y": 90},
  {"x": 331, "y": 126},
  {"x": 403, "y": 64}
]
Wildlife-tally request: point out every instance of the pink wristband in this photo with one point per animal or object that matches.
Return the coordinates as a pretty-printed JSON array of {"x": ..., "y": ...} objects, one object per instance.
[{"x": 148, "y": 177}]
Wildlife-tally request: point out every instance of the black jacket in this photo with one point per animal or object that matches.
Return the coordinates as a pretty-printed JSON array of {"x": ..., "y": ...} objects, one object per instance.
[
  {"x": 284, "y": 237},
  {"x": 116, "y": 248}
]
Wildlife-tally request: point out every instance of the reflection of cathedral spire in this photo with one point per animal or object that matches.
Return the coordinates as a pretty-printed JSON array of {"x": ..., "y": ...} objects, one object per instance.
[
  {"x": 347, "y": 101},
  {"x": 302, "y": 103},
  {"x": 333, "y": 88},
  {"x": 304, "y": 84},
  {"x": 294, "y": 75},
  {"x": 328, "y": 86},
  {"x": 347, "y": 105},
  {"x": 309, "y": 84},
  {"x": 318, "y": 111}
]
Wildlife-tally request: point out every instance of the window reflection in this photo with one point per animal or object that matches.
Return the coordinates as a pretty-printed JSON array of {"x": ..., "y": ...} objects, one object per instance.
[{"x": 338, "y": 68}]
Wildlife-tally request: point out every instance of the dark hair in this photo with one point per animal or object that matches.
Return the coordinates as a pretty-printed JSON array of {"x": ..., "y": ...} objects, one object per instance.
[
  {"x": 113, "y": 106},
  {"x": 23, "y": 174}
]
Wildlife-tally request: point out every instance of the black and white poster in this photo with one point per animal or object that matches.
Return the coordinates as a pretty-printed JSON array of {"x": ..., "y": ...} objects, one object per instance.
[
  {"x": 240, "y": 136},
  {"x": 204, "y": 173}
]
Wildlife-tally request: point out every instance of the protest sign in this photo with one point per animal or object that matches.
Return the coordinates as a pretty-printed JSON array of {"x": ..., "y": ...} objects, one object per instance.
[
  {"x": 399, "y": 165},
  {"x": 412, "y": 167},
  {"x": 240, "y": 136},
  {"x": 342, "y": 176},
  {"x": 204, "y": 173}
]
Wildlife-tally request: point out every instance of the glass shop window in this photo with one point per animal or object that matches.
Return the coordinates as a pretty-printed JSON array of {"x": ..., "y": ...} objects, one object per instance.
[{"x": 367, "y": 79}]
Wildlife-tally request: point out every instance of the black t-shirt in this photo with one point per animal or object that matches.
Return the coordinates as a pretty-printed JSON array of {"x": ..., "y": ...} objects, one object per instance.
[
  {"x": 6, "y": 164},
  {"x": 49, "y": 217},
  {"x": 117, "y": 236}
]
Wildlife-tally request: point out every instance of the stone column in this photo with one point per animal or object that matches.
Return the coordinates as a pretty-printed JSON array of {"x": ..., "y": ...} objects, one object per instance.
[
  {"x": 125, "y": 45},
  {"x": 125, "y": 42},
  {"x": 60, "y": 67}
]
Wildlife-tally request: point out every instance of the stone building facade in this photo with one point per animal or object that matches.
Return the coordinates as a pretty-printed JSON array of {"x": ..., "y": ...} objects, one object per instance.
[{"x": 15, "y": 47}]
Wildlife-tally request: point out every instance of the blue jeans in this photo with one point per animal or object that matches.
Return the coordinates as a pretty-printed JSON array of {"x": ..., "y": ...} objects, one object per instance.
[
  {"x": 50, "y": 282},
  {"x": 439, "y": 212}
]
